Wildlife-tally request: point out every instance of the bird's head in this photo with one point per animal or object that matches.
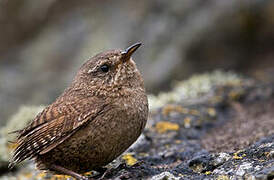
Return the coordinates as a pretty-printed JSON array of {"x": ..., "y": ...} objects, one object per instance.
[{"x": 110, "y": 72}]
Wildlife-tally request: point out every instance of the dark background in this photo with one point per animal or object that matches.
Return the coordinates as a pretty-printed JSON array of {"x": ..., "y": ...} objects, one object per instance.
[{"x": 43, "y": 43}]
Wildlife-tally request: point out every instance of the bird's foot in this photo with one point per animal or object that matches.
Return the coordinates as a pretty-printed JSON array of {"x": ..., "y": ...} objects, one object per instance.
[{"x": 68, "y": 172}]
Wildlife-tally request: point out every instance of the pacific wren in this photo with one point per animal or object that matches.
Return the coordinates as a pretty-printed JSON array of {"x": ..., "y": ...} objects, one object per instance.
[{"x": 95, "y": 120}]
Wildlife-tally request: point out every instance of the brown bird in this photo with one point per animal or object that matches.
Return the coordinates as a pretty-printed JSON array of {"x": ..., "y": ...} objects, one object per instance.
[{"x": 95, "y": 120}]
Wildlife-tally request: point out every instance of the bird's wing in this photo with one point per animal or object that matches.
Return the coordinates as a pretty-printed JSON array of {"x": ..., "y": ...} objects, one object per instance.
[{"x": 50, "y": 129}]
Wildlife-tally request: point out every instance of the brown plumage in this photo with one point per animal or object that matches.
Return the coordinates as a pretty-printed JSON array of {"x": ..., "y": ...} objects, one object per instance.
[{"x": 95, "y": 120}]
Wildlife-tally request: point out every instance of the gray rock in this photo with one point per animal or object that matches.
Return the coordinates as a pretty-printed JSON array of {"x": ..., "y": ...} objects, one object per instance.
[{"x": 169, "y": 150}]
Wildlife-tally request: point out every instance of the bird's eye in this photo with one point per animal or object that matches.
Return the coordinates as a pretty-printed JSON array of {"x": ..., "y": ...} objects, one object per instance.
[{"x": 104, "y": 68}]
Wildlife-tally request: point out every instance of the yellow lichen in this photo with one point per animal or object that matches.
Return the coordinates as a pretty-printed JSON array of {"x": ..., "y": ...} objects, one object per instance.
[
  {"x": 167, "y": 145},
  {"x": 167, "y": 109},
  {"x": 197, "y": 167},
  {"x": 223, "y": 177},
  {"x": 88, "y": 173},
  {"x": 41, "y": 175},
  {"x": 211, "y": 112},
  {"x": 235, "y": 94},
  {"x": 208, "y": 172},
  {"x": 129, "y": 159},
  {"x": 27, "y": 175},
  {"x": 11, "y": 146},
  {"x": 236, "y": 156},
  {"x": 143, "y": 154},
  {"x": 60, "y": 177},
  {"x": 187, "y": 122},
  {"x": 165, "y": 126},
  {"x": 215, "y": 99},
  {"x": 269, "y": 154},
  {"x": 194, "y": 112}
]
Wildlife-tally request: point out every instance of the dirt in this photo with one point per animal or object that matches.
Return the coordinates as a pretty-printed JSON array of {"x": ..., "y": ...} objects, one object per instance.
[
  {"x": 250, "y": 122},
  {"x": 236, "y": 117}
]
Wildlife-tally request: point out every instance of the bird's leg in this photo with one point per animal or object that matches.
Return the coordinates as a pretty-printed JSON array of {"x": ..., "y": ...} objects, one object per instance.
[
  {"x": 108, "y": 170},
  {"x": 100, "y": 170},
  {"x": 68, "y": 172},
  {"x": 105, "y": 173}
]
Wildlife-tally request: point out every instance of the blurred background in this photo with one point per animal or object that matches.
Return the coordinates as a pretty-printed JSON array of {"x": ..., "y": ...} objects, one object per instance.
[{"x": 43, "y": 43}]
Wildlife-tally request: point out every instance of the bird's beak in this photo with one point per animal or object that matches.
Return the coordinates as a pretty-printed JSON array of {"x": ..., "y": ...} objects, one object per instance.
[{"x": 129, "y": 51}]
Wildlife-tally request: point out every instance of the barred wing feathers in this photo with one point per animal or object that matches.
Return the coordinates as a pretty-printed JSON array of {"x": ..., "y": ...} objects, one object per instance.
[{"x": 50, "y": 128}]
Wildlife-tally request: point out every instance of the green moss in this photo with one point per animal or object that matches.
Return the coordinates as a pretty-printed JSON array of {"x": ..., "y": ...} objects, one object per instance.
[{"x": 196, "y": 86}]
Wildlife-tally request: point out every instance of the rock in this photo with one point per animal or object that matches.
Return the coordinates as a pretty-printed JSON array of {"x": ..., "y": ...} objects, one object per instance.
[
  {"x": 265, "y": 173},
  {"x": 221, "y": 158},
  {"x": 165, "y": 176},
  {"x": 24, "y": 115},
  {"x": 224, "y": 133},
  {"x": 197, "y": 88},
  {"x": 243, "y": 168}
]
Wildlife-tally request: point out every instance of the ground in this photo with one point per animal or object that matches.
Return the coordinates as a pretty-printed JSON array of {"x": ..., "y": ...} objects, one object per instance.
[{"x": 224, "y": 131}]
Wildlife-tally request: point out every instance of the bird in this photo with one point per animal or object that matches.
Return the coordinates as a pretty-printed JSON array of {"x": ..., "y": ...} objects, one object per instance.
[{"x": 95, "y": 119}]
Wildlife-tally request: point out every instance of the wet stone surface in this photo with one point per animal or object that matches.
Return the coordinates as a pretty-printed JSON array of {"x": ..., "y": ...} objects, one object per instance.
[{"x": 198, "y": 140}]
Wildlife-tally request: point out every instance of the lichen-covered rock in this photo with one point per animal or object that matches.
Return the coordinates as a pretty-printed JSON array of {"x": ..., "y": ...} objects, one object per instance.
[
  {"x": 165, "y": 176},
  {"x": 19, "y": 120},
  {"x": 194, "y": 88},
  {"x": 224, "y": 133}
]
